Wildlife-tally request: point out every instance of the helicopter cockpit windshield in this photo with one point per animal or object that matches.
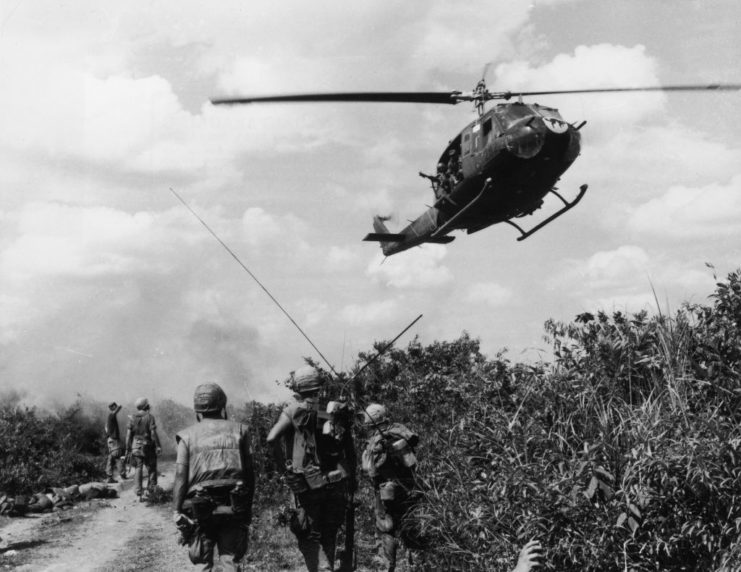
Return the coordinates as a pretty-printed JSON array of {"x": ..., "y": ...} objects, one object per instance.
[{"x": 509, "y": 114}]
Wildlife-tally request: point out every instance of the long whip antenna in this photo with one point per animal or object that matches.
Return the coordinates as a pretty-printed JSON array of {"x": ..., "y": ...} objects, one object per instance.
[{"x": 247, "y": 270}]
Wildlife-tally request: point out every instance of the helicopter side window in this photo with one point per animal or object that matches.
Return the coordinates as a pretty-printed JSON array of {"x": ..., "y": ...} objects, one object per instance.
[
  {"x": 466, "y": 143},
  {"x": 487, "y": 127}
]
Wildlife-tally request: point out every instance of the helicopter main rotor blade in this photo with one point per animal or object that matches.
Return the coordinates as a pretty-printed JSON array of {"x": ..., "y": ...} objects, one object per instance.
[
  {"x": 709, "y": 87},
  {"x": 451, "y": 98}
]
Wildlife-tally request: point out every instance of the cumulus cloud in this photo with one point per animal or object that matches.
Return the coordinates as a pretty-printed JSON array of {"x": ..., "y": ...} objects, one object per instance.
[
  {"x": 589, "y": 67},
  {"x": 630, "y": 278},
  {"x": 489, "y": 293},
  {"x": 55, "y": 239},
  {"x": 371, "y": 313},
  {"x": 340, "y": 257},
  {"x": 607, "y": 269},
  {"x": 415, "y": 268},
  {"x": 260, "y": 227},
  {"x": 691, "y": 213}
]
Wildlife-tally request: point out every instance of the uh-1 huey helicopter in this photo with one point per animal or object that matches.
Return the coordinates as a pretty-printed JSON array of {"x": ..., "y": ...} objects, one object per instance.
[{"x": 498, "y": 168}]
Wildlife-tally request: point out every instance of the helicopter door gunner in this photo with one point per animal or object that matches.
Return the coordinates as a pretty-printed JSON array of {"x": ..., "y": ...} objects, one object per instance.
[{"x": 440, "y": 181}]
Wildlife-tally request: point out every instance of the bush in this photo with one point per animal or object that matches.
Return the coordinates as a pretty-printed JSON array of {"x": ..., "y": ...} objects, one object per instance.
[
  {"x": 43, "y": 451},
  {"x": 620, "y": 454}
]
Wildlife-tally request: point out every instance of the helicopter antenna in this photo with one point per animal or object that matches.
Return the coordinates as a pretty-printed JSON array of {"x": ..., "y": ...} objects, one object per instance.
[{"x": 235, "y": 257}]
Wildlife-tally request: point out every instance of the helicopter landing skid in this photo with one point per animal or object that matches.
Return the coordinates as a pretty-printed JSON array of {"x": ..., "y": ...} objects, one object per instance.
[
  {"x": 567, "y": 206},
  {"x": 448, "y": 225}
]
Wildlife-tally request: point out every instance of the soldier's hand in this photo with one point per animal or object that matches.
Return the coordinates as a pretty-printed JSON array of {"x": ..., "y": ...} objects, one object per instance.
[
  {"x": 530, "y": 556},
  {"x": 158, "y": 450}
]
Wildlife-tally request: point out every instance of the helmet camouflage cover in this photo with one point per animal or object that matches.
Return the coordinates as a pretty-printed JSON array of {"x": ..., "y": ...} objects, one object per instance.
[
  {"x": 142, "y": 403},
  {"x": 375, "y": 414},
  {"x": 209, "y": 398},
  {"x": 307, "y": 379}
]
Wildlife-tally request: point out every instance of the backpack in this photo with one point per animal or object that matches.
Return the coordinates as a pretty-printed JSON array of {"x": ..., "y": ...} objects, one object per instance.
[{"x": 142, "y": 441}]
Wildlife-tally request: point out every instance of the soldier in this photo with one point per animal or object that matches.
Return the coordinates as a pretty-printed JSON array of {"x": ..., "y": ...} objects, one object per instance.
[
  {"x": 389, "y": 460},
  {"x": 113, "y": 439},
  {"x": 320, "y": 469},
  {"x": 439, "y": 181},
  {"x": 214, "y": 482},
  {"x": 143, "y": 445}
]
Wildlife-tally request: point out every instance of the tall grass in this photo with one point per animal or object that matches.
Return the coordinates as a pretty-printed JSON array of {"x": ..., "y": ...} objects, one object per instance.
[{"x": 620, "y": 454}]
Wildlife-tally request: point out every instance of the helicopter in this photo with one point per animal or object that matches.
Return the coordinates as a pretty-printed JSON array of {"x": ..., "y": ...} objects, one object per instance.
[{"x": 500, "y": 167}]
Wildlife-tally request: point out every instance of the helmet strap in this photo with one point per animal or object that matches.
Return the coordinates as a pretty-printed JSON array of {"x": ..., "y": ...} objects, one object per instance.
[{"x": 198, "y": 417}]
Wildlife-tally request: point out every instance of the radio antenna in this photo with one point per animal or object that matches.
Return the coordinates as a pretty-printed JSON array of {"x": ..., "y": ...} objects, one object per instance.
[{"x": 260, "y": 284}]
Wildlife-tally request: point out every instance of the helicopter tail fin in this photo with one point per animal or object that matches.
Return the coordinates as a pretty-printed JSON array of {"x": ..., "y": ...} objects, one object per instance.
[
  {"x": 379, "y": 224},
  {"x": 383, "y": 235}
]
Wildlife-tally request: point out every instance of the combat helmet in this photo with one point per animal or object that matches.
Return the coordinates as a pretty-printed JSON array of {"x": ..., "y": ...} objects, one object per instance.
[
  {"x": 142, "y": 403},
  {"x": 209, "y": 398},
  {"x": 375, "y": 414},
  {"x": 306, "y": 380}
]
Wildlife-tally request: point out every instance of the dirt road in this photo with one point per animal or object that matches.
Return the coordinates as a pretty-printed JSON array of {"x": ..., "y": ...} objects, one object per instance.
[
  {"x": 124, "y": 535},
  {"x": 112, "y": 534}
]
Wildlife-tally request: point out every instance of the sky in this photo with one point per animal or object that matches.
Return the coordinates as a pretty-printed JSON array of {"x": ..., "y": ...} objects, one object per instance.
[{"x": 111, "y": 289}]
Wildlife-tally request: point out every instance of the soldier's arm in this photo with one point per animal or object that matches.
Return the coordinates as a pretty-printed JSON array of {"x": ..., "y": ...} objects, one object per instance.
[
  {"x": 129, "y": 439},
  {"x": 155, "y": 436},
  {"x": 118, "y": 409},
  {"x": 281, "y": 427},
  {"x": 180, "y": 488}
]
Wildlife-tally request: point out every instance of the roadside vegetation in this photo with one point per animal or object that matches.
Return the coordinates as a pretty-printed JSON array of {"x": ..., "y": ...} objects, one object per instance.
[
  {"x": 39, "y": 450},
  {"x": 620, "y": 452}
]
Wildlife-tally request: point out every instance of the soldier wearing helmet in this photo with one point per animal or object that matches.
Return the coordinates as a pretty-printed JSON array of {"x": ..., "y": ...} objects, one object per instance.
[
  {"x": 389, "y": 461},
  {"x": 214, "y": 482},
  {"x": 315, "y": 446},
  {"x": 143, "y": 446}
]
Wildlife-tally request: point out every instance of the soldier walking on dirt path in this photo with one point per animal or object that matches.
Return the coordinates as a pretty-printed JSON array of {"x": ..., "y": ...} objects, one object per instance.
[
  {"x": 315, "y": 446},
  {"x": 214, "y": 483},
  {"x": 143, "y": 446},
  {"x": 115, "y": 449},
  {"x": 389, "y": 461}
]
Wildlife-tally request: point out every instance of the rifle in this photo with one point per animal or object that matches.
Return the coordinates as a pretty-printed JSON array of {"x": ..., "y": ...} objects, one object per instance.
[{"x": 348, "y": 561}]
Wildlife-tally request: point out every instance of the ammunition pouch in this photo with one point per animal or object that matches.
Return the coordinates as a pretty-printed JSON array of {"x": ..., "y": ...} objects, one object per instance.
[
  {"x": 219, "y": 502},
  {"x": 201, "y": 507},
  {"x": 314, "y": 477},
  {"x": 140, "y": 446},
  {"x": 296, "y": 482},
  {"x": 239, "y": 500}
]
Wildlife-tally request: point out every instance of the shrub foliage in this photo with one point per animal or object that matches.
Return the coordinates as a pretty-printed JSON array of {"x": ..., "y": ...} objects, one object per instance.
[
  {"x": 621, "y": 453},
  {"x": 40, "y": 451}
]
